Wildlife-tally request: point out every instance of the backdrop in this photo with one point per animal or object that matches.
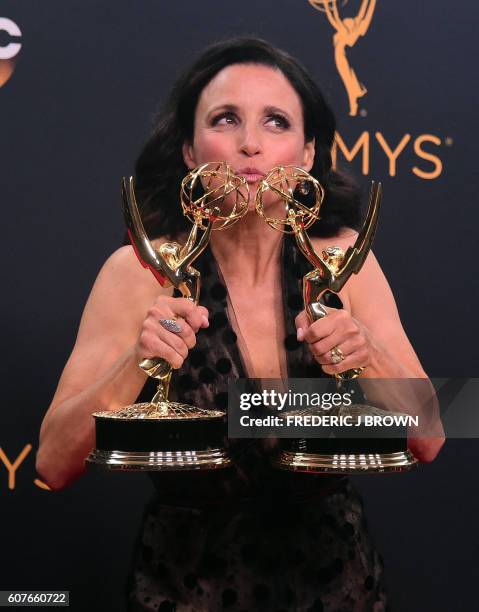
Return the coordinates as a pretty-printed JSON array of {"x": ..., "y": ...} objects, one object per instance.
[{"x": 79, "y": 84}]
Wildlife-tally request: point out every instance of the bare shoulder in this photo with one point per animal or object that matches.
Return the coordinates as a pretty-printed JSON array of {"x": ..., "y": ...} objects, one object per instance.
[
  {"x": 121, "y": 294},
  {"x": 125, "y": 264},
  {"x": 123, "y": 269},
  {"x": 123, "y": 274}
]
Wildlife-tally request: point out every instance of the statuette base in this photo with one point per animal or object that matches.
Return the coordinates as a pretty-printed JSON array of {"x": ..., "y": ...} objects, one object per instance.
[
  {"x": 160, "y": 461},
  {"x": 355, "y": 463},
  {"x": 160, "y": 436}
]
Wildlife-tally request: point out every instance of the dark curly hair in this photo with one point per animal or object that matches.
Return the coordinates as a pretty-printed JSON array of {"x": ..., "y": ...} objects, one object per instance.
[{"x": 160, "y": 167}]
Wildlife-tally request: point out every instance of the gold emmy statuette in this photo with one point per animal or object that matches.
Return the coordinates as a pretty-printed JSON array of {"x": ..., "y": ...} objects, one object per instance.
[
  {"x": 300, "y": 196},
  {"x": 161, "y": 434}
]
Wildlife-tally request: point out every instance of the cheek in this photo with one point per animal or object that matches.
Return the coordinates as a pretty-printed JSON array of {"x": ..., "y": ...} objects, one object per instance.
[
  {"x": 288, "y": 152},
  {"x": 211, "y": 147}
]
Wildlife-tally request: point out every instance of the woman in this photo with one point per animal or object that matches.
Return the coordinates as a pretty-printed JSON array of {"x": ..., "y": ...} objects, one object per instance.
[{"x": 251, "y": 537}]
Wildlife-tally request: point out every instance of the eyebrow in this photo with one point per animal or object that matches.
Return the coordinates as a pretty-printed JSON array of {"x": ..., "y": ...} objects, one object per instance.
[
  {"x": 273, "y": 110},
  {"x": 268, "y": 110},
  {"x": 225, "y": 107}
]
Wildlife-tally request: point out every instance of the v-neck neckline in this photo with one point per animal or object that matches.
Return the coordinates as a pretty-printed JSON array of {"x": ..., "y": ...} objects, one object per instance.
[{"x": 241, "y": 351}]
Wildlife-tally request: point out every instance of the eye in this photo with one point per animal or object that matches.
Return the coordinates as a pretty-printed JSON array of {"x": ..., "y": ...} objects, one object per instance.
[
  {"x": 226, "y": 118},
  {"x": 278, "y": 121}
]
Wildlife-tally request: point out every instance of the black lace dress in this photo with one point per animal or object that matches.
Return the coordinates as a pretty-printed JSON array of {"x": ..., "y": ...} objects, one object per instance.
[{"x": 251, "y": 538}]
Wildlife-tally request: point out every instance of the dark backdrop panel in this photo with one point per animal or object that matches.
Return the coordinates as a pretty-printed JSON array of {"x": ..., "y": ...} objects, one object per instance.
[{"x": 73, "y": 116}]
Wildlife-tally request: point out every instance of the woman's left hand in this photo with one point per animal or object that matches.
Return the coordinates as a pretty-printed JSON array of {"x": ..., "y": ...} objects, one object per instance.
[{"x": 336, "y": 330}]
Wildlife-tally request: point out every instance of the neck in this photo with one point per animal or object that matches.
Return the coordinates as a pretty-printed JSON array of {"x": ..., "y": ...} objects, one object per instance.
[{"x": 250, "y": 250}]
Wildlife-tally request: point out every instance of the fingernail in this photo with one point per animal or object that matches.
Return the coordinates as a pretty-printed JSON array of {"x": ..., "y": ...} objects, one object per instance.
[
  {"x": 300, "y": 334},
  {"x": 205, "y": 320}
]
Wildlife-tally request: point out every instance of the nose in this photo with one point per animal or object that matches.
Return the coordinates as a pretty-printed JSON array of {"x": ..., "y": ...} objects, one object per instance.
[{"x": 250, "y": 142}]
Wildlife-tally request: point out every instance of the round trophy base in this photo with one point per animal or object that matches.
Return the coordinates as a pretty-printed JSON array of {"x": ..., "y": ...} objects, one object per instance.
[
  {"x": 160, "y": 436},
  {"x": 160, "y": 461},
  {"x": 355, "y": 463},
  {"x": 353, "y": 449}
]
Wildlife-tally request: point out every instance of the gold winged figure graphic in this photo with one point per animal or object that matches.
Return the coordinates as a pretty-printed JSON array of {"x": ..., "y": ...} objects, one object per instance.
[{"x": 348, "y": 31}]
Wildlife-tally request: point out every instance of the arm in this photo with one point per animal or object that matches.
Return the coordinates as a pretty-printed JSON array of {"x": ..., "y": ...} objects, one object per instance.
[
  {"x": 393, "y": 357},
  {"x": 102, "y": 371},
  {"x": 373, "y": 305}
]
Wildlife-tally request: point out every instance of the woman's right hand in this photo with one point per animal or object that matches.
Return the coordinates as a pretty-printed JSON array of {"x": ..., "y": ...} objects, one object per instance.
[{"x": 155, "y": 341}]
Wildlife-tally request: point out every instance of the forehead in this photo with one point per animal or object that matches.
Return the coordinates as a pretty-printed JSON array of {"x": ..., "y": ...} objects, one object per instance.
[{"x": 250, "y": 85}]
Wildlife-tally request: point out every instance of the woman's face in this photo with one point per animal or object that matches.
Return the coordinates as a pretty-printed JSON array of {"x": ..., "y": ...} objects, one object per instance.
[{"x": 251, "y": 117}]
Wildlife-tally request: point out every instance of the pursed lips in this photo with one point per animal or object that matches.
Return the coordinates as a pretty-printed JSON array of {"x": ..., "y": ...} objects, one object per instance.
[{"x": 251, "y": 175}]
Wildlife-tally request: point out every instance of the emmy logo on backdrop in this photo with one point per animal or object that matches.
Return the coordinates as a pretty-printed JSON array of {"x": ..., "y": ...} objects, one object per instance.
[{"x": 348, "y": 30}]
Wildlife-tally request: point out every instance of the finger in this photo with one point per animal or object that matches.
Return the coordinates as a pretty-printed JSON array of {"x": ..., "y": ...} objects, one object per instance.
[
  {"x": 204, "y": 316},
  {"x": 188, "y": 335},
  {"x": 185, "y": 333},
  {"x": 359, "y": 359},
  {"x": 171, "y": 339},
  {"x": 153, "y": 347},
  {"x": 175, "y": 341},
  {"x": 347, "y": 344},
  {"x": 193, "y": 314},
  {"x": 338, "y": 322},
  {"x": 322, "y": 328},
  {"x": 174, "y": 308},
  {"x": 302, "y": 323},
  {"x": 171, "y": 356}
]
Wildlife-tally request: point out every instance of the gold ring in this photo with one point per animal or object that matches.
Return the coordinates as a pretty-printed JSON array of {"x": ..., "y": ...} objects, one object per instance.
[{"x": 337, "y": 355}]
